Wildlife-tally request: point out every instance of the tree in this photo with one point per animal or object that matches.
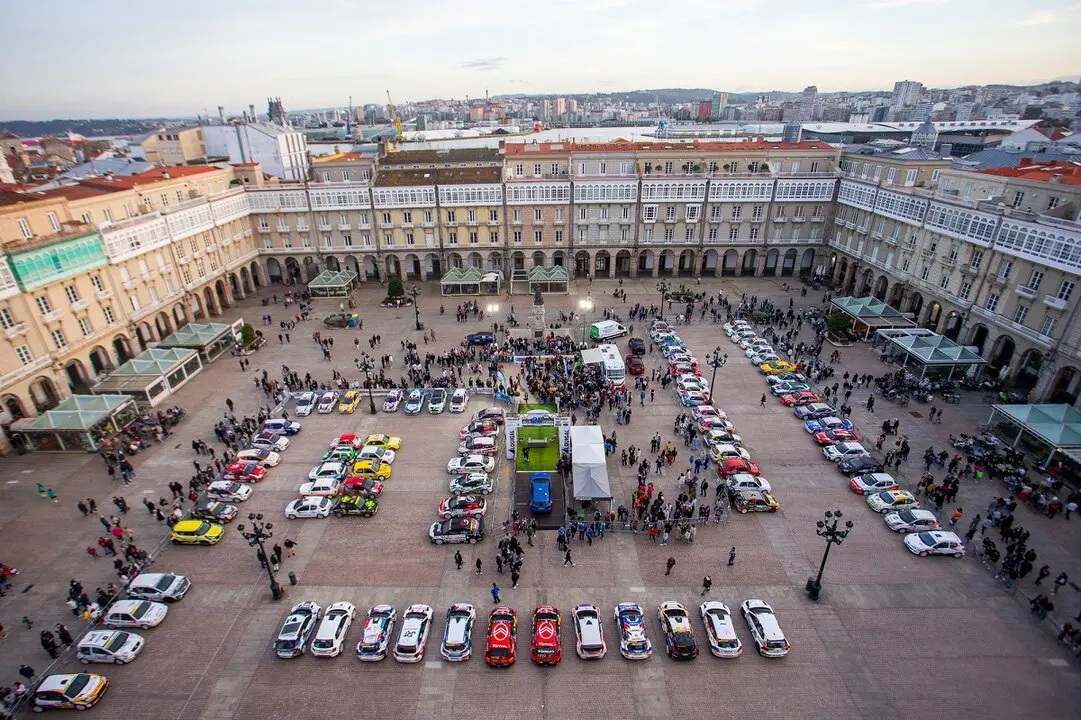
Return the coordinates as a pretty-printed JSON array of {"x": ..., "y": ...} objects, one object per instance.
[
  {"x": 839, "y": 323},
  {"x": 247, "y": 334},
  {"x": 395, "y": 288}
]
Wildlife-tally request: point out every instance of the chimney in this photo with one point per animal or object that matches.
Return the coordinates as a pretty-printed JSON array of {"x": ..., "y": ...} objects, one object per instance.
[
  {"x": 251, "y": 111},
  {"x": 221, "y": 114},
  {"x": 1056, "y": 178}
]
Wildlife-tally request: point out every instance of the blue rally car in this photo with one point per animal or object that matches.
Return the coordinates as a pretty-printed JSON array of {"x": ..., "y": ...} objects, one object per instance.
[
  {"x": 540, "y": 493},
  {"x": 414, "y": 402}
]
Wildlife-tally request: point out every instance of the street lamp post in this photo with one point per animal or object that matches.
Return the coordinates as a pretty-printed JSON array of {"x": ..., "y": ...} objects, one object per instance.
[
  {"x": 827, "y": 528},
  {"x": 259, "y": 532},
  {"x": 584, "y": 306},
  {"x": 366, "y": 363},
  {"x": 663, "y": 287},
  {"x": 414, "y": 291},
  {"x": 715, "y": 360}
]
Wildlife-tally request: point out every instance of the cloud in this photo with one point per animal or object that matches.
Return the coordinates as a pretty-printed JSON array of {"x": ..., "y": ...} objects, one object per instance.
[
  {"x": 492, "y": 63},
  {"x": 879, "y": 4},
  {"x": 1040, "y": 17}
]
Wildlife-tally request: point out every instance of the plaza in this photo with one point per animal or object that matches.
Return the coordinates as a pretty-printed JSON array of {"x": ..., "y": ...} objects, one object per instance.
[{"x": 893, "y": 635}]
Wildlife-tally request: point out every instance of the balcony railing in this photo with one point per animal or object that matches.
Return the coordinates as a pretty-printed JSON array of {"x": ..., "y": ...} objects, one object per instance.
[
  {"x": 1000, "y": 279},
  {"x": 103, "y": 294},
  {"x": 839, "y": 221},
  {"x": 52, "y": 316},
  {"x": 1025, "y": 291},
  {"x": 818, "y": 219},
  {"x": 798, "y": 219},
  {"x": 1054, "y": 302},
  {"x": 407, "y": 225},
  {"x": 493, "y": 223},
  {"x": 781, "y": 219},
  {"x": 877, "y": 234},
  {"x": 862, "y": 230},
  {"x": 15, "y": 331},
  {"x": 80, "y": 304},
  {"x": 948, "y": 261},
  {"x": 344, "y": 226}
]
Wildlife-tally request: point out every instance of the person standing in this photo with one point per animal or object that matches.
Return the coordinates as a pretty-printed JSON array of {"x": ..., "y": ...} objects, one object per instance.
[
  {"x": 479, "y": 568},
  {"x": 669, "y": 565},
  {"x": 276, "y": 554},
  {"x": 499, "y": 564},
  {"x": 458, "y": 559},
  {"x": 64, "y": 634},
  {"x": 229, "y": 404},
  {"x": 762, "y": 402},
  {"x": 290, "y": 546},
  {"x": 514, "y": 576},
  {"x": 1060, "y": 581},
  {"x": 1043, "y": 572},
  {"x": 495, "y": 593},
  {"x": 49, "y": 643},
  {"x": 732, "y": 557},
  {"x": 707, "y": 583}
]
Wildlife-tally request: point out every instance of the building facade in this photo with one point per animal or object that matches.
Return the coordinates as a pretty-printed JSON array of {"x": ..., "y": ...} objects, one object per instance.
[{"x": 176, "y": 147}]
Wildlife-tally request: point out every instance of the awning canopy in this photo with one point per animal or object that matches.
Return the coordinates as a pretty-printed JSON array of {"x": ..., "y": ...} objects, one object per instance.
[
  {"x": 470, "y": 281},
  {"x": 589, "y": 464},
  {"x": 152, "y": 375},
  {"x": 872, "y": 313},
  {"x": 78, "y": 423},
  {"x": 591, "y": 356},
  {"x": 1057, "y": 428},
  {"x": 332, "y": 283},
  {"x": 210, "y": 339},
  {"x": 927, "y": 348}
]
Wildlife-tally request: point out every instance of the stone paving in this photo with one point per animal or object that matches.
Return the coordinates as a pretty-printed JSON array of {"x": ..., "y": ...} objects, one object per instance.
[{"x": 894, "y": 636}]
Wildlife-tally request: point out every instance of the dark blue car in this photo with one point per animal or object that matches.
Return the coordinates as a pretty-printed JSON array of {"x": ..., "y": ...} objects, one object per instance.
[{"x": 540, "y": 493}]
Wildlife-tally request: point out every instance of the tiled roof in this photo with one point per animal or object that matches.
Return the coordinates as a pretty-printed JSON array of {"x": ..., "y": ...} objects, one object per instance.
[
  {"x": 1064, "y": 173},
  {"x": 991, "y": 158},
  {"x": 442, "y": 176},
  {"x": 441, "y": 157},
  {"x": 155, "y": 174},
  {"x": 539, "y": 148},
  {"x": 67, "y": 192},
  {"x": 697, "y": 146},
  {"x": 342, "y": 157}
]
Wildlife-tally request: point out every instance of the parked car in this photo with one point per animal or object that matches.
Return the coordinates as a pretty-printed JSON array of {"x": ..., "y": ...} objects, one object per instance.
[{"x": 305, "y": 404}]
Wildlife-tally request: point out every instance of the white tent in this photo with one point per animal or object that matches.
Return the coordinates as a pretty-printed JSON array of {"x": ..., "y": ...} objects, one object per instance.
[{"x": 589, "y": 467}]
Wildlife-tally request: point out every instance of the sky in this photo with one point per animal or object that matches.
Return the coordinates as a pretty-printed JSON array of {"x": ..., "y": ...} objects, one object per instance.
[{"x": 132, "y": 58}]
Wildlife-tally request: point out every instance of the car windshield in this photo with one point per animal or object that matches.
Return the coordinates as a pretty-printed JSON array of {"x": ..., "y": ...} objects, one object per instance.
[
  {"x": 927, "y": 539},
  {"x": 497, "y": 652},
  {"x": 77, "y": 685},
  {"x": 776, "y": 644},
  {"x": 322, "y": 644},
  {"x": 117, "y": 641},
  {"x": 140, "y": 610},
  {"x": 906, "y": 516}
]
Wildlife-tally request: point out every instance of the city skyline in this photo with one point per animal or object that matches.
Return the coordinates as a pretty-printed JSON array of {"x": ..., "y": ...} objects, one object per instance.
[{"x": 237, "y": 53}]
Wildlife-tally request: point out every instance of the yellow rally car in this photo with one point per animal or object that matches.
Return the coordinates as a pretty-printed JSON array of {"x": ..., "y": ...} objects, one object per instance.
[
  {"x": 196, "y": 532},
  {"x": 370, "y": 469},
  {"x": 349, "y": 402},
  {"x": 384, "y": 441},
  {"x": 75, "y": 690},
  {"x": 777, "y": 367}
]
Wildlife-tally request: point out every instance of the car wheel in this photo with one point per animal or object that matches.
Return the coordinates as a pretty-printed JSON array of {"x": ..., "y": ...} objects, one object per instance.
[
  {"x": 292, "y": 516},
  {"x": 175, "y": 542},
  {"x": 924, "y": 553},
  {"x": 472, "y": 541},
  {"x": 145, "y": 627},
  {"x": 958, "y": 554},
  {"x": 118, "y": 661},
  {"x": 84, "y": 661},
  {"x": 439, "y": 541}
]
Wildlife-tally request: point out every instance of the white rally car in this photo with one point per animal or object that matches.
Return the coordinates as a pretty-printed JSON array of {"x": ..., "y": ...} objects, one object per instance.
[
  {"x": 328, "y": 401},
  {"x": 376, "y": 634},
  {"x": 305, "y": 404},
  {"x": 394, "y": 399},
  {"x": 330, "y": 637}
]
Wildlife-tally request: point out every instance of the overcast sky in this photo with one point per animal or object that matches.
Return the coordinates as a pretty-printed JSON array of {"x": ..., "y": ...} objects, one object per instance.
[{"x": 109, "y": 58}]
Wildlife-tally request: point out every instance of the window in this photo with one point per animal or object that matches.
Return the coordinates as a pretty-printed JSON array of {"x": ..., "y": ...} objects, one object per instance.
[
  {"x": 926, "y": 274},
  {"x": 754, "y": 233},
  {"x": 1065, "y": 290},
  {"x": 517, "y": 215},
  {"x": 649, "y": 213},
  {"x": 343, "y": 220},
  {"x": 187, "y": 277},
  {"x": 71, "y": 293},
  {"x": 604, "y": 168},
  {"x": 471, "y": 216},
  {"x": 624, "y": 234},
  {"x": 87, "y": 218},
  {"x": 347, "y": 240},
  {"x": 58, "y": 339},
  {"x": 452, "y": 216},
  {"x": 24, "y": 228},
  {"x": 965, "y": 291},
  {"x": 452, "y": 238},
  {"x": 992, "y": 302},
  {"x": 977, "y": 259},
  {"x": 1048, "y": 328},
  {"x": 517, "y": 236},
  {"x": 537, "y": 169},
  {"x": 1020, "y": 314},
  {"x": 1018, "y": 198},
  {"x": 493, "y": 216},
  {"x": 944, "y": 282},
  {"x": 302, "y": 223},
  {"x": 345, "y": 176},
  {"x": 692, "y": 212},
  {"x": 44, "y": 306},
  {"x": 649, "y": 235},
  {"x": 388, "y": 239},
  {"x": 905, "y": 265},
  {"x": 386, "y": 218},
  {"x": 737, "y": 213},
  {"x": 1034, "y": 280},
  {"x": 538, "y": 214},
  {"x": 756, "y": 213},
  {"x": 668, "y": 234},
  {"x": 555, "y": 168},
  {"x": 180, "y": 196},
  {"x": 473, "y": 237},
  {"x": 713, "y": 234},
  {"x": 24, "y": 354},
  {"x": 538, "y": 236},
  {"x": 715, "y": 213},
  {"x": 306, "y": 240},
  {"x": 910, "y": 177},
  {"x": 878, "y": 173},
  {"x": 408, "y": 239},
  {"x": 326, "y": 176},
  {"x": 519, "y": 170},
  {"x": 7, "y": 320},
  {"x": 688, "y": 234},
  {"x": 581, "y": 214},
  {"x": 1004, "y": 267},
  {"x": 1053, "y": 203},
  {"x": 85, "y": 326},
  {"x": 668, "y": 168},
  {"x": 733, "y": 233},
  {"x": 110, "y": 318},
  {"x": 164, "y": 200},
  {"x": 891, "y": 175},
  {"x": 169, "y": 289},
  {"x": 626, "y": 213},
  {"x": 934, "y": 174},
  {"x": 559, "y": 214},
  {"x": 559, "y": 236},
  {"x": 54, "y": 223},
  {"x": 328, "y": 241}
]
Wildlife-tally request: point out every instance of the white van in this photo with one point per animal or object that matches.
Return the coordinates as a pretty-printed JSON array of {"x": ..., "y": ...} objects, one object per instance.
[{"x": 606, "y": 330}]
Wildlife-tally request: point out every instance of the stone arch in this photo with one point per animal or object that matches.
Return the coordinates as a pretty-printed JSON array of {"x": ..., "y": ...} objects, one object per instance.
[
  {"x": 1067, "y": 386},
  {"x": 223, "y": 294},
  {"x": 1002, "y": 353},
  {"x": 807, "y": 263},
  {"x": 602, "y": 263},
  {"x": 495, "y": 262},
  {"x": 311, "y": 269},
  {"x": 517, "y": 260},
  {"x": 245, "y": 281},
  {"x": 788, "y": 264},
  {"x": 474, "y": 260},
  {"x": 686, "y": 265},
  {"x": 915, "y": 304},
  {"x": 749, "y": 265},
  {"x": 952, "y": 329},
  {"x": 197, "y": 311},
  {"x": 645, "y": 262},
  {"x": 729, "y": 262},
  {"x": 180, "y": 315},
  {"x": 100, "y": 361},
  {"x": 773, "y": 256},
  {"x": 144, "y": 334},
  {"x": 14, "y": 405},
  {"x": 292, "y": 271},
  {"x": 352, "y": 265},
  {"x": 371, "y": 268},
  {"x": 44, "y": 393},
  {"x": 882, "y": 286},
  {"x": 709, "y": 262},
  {"x": 864, "y": 285},
  {"x": 455, "y": 260},
  {"x": 934, "y": 315},
  {"x": 623, "y": 263},
  {"x": 332, "y": 263},
  {"x": 978, "y": 337},
  {"x": 1028, "y": 371},
  {"x": 209, "y": 300},
  {"x": 122, "y": 349},
  {"x": 582, "y": 263},
  {"x": 896, "y": 295},
  {"x": 274, "y": 270},
  {"x": 77, "y": 376},
  {"x": 163, "y": 323},
  {"x": 236, "y": 287},
  {"x": 842, "y": 271},
  {"x": 257, "y": 278},
  {"x": 559, "y": 259},
  {"x": 539, "y": 259},
  {"x": 667, "y": 265},
  {"x": 412, "y": 267},
  {"x": 393, "y": 266}
]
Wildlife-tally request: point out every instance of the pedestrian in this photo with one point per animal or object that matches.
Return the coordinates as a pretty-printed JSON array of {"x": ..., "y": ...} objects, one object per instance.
[
  {"x": 276, "y": 554},
  {"x": 955, "y": 517},
  {"x": 229, "y": 404},
  {"x": 83, "y": 508},
  {"x": 514, "y": 576},
  {"x": 28, "y": 623},
  {"x": 479, "y": 568},
  {"x": 458, "y": 559},
  {"x": 707, "y": 583},
  {"x": 92, "y": 504},
  {"x": 870, "y": 403},
  {"x": 49, "y": 643},
  {"x": 671, "y": 563},
  {"x": 567, "y": 558},
  {"x": 1044, "y": 572},
  {"x": 1060, "y": 581},
  {"x": 64, "y": 634},
  {"x": 732, "y": 557},
  {"x": 762, "y": 402},
  {"x": 52, "y": 495},
  {"x": 499, "y": 564},
  {"x": 28, "y": 672},
  {"x": 495, "y": 593},
  {"x": 92, "y": 551},
  {"x": 261, "y": 557},
  {"x": 290, "y": 546}
]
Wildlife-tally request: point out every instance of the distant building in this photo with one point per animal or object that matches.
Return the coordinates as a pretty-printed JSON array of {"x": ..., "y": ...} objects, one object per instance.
[
  {"x": 922, "y": 111},
  {"x": 561, "y": 107},
  {"x": 879, "y": 113},
  {"x": 276, "y": 112},
  {"x": 6, "y": 176},
  {"x": 925, "y": 136},
  {"x": 176, "y": 147},
  {"x": 906, "y": 93},
  {"x": 807, "y": 103},
  {"x": 792, "y": 132},
  {"x": 964, "y": 111},
  {"x": 719, "y": 103},
  {"x": 282, "y": 151},
  {"x": 705, "y": 111}
]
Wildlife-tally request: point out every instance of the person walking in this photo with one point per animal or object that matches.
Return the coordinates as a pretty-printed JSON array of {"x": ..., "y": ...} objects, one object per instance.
[
  {"x": 458, "y": 559},
  {"x": 478, "y": 572},
  {"x": 28, "y": 672},
  {"x": 64, "y": 634},
  {"x": 870, "y": 403},
  {"x": 290, "y": 546},
  {"x": 495, "y": 594},
  {"x": 276, "y": 554},
  {"x": 956, "y": 517},
  {"x": 669, "y": 565},
  {"x": 229, "y": 404},
  {"x": 1060, "y": 581},
  {"x": 567, "y": 558},
  {"x": 499, "y": 564},
  {"x": 1043, "y": 572},
  {"x": 762, "y": 402},
  {"x": 732, "y": 557},
  {"x": 707, "y": 583},
  {"x": 514, "y": 578}
]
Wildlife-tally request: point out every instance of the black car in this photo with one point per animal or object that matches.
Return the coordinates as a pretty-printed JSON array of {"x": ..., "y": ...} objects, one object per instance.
[
  {"x": 859, "y": 465},
  {"x": 457, "y": 530},
  {"x": 213, "y": 511},
  {"x": 337, "y": 320},
  {"x": 481, "y": 338},
  {"x": 637, "y": 346}
]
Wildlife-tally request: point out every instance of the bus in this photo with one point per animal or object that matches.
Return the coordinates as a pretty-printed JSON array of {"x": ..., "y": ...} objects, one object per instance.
[{"x": 614, "y": 368}]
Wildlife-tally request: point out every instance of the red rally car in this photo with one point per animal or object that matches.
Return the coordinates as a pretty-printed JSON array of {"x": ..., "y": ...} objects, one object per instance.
[
  {"x": 804, "y": 397},
  {"x": 732, "y": 465},
  {"x": 500, "y": 650},
  {"x": 828, "y": 437},
  {"x": 546, "y": 648},
  {"x": 245, "y": 472}
]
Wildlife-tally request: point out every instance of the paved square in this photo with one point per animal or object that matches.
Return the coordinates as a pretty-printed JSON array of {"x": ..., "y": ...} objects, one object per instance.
[{"x": 894, "y": 636}]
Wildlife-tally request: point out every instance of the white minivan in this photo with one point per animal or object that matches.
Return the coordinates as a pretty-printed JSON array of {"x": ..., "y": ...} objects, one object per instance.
[{"x": 606, "y": 330}]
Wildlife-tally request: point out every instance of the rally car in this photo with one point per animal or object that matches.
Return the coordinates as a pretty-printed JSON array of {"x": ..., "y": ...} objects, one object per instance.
[
  {"x": 776, "y": 367},
  {"x": 723, "y": 641},
  {"x": 457, "y": 530},
  {"x": 311, "y": 506},
  {"x": 437, "y": 401},
  {"x": 366, "y": 486},
  {"x": 731, "y": 466},
  {"x": 813, "y": 411},
  {"x": 341, "y": 455},
  {"x": 416, "y": 624},
  {"x": 362, "y": 505},
  {"x": 872, "y": 483},
  {"x": 376, "y": 633},
  {"x": 394, "y": 399},
  {"x": 134, "y": 613},
  {"x": 457, "y": 645},
  {"x": 228, "y": 491},
  {"x": 500, "y": 649},
  {"x": 679, "y": 639},
  {"x": 327, "y": 402},
  {"x": 478, "y": 445},
  {"x": 482, "y": 428},
  {"x": 330, "y": 637},
  {"x": 196, "y": 532},
  {"x": 588, "y": 632},
  {"x": 327, "y": 471},
  {"x": 827, "y": 423},
  {"x": 631, "y": 625},
  {"x": 305, "y": 404},
  {"x": 298, "y": 627},
  {"x": 462, "y": 506},
  {"x": 843, "y": 450},
  {"x": 349, "y": 402},
  {"x": 892, "y": 501},
  {"x": 804, "y": 397},
  {"x": 376, "y": 453},
  {"x": 911, "y": 520},
  {"x": 828, "y": 437},
  {"x": 414, "y": 402},
  {"x": 270, "y": 441},
  {"x": 935, "y": 542},
  {"x": 746, "y": 501},
  {"x": 348, "y": 440},
  {"x": 693, "y": 398},
  {"x": 472, "y": 484},
  {"x": 68, "y": 690},
  {"x": 495, "y": 414},
  {"x": 788, "y": 387},
  {"x": 786, "y": 377},
  {"x": 370, "y": 468},
  {"x": 458, "y": 400},
  {"x": 545, "y": 648},
  {"x": 213, "y": 511},
  {"x": 267, "y": 457},
  {"x": 746, "y": 481},
  {"x": 281, "y": 425},
  {"x": 246, "y": 472},
  {"x": 471, "y": 464}
]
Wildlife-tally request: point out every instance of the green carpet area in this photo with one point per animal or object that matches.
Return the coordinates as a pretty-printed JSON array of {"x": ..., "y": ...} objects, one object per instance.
[{"x": 540, "y": 459}]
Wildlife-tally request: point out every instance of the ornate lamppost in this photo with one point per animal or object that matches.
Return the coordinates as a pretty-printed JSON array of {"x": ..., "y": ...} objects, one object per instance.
[
  {"x": 663, "y": 287},
  {"x": 259, "y": 532},
  {"x": 413, "y": 292},
  {"x": 715, "y": 360},
  {"x": 366, "y": 363},
  {"x": 584, "y": 306},
  {"x": 827, "y": 528}
]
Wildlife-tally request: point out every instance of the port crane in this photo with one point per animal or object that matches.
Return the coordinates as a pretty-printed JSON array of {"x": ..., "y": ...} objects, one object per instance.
[{"x": 395, "y": 118}]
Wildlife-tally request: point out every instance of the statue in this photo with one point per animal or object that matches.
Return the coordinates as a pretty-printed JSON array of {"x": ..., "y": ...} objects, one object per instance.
[{"x": 538, "y": 301}]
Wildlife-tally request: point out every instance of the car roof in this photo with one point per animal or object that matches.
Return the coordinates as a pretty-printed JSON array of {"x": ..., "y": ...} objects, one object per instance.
[
  {"x": 59, "y": 682},
  {"x": 188, "y": 525}
]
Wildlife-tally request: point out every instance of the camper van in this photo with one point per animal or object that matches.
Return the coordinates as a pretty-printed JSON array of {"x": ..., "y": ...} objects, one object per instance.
[
  {"x": 606, "y": 330},
  {"x": 614, "y": 367}
]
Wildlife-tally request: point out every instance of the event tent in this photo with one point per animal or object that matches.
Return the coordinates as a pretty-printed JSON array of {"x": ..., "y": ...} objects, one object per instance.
[
  {"x": 210, "y": 339},
  {"x": 332, "y": 283},
  {"x": 589, "y": 466},
  {"x": 78, "y": 423},
  {"x": 928, "y": 349}
]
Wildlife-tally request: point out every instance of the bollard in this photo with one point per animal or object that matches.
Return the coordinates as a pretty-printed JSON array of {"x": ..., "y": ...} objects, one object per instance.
[{"x": 292, "y": 578}]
